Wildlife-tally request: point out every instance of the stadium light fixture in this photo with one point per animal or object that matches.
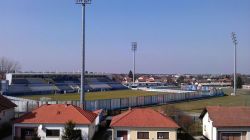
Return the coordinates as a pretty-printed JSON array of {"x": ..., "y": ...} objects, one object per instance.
[
  {"x": 134, "y": 49},
  {"x": 235, "y": 42},
  {"x": 82, "y": 95}
]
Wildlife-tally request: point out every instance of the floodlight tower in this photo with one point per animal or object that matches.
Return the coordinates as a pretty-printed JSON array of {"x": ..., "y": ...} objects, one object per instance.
[
  {"x": 82, "y": 95},
  {"x": 134, "y": 48},
  {"x": 235, "y": 55}
]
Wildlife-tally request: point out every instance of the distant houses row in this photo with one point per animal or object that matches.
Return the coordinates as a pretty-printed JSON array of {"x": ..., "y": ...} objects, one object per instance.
[{"x": 48, "y": 122}]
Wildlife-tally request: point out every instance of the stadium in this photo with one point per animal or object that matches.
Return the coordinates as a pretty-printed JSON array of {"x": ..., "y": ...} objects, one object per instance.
[{"x": 46, "y": 83}]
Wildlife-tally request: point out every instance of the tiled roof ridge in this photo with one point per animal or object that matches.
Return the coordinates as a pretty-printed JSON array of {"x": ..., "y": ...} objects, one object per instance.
[
  {"x": 167, "y": 117},
  {"x": 122, "y": 116},
  {"x": 79, "y": 110},
  {"x": 28, "y": 113},
  {"x": 87, "y": 116},
  {"x": 9, "y": 102},
  {"x": 167, "y": 121}
]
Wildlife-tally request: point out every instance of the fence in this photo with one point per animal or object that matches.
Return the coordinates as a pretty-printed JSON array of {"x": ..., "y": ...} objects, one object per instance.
[{"x": 25, "y": 105}]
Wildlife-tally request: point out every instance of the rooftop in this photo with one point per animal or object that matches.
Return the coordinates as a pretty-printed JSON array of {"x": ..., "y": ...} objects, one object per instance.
[
  {"x": 143, "y": 118},
  {"x": 58, "y": 114},
  {"x": 5, "y": 103},
  {"x": 237, "y": 116}
]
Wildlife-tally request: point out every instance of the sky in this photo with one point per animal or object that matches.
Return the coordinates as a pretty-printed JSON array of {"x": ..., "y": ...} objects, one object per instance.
[{"x": 173, "y": 36}]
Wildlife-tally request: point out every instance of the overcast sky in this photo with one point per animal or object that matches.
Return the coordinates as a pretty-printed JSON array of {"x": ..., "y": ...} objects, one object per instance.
[{"x": 174, "y": 36}]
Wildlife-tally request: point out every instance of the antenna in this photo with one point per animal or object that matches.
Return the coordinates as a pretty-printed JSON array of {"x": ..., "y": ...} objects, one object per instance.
[
  {"x": 82, "y": 94},
  {"x": 134, "y": 49},
  {"x": 235, "y": 42}
]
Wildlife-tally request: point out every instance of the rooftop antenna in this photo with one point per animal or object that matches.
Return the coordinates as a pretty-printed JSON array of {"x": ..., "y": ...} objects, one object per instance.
[
  {"x": 83, "y": 3},
  {"x": 235, "y": 42},
  {"x": 134, "y": 49}
]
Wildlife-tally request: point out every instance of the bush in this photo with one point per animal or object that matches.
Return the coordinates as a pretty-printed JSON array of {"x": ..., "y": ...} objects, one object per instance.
[{"x": 5, "y": 129}]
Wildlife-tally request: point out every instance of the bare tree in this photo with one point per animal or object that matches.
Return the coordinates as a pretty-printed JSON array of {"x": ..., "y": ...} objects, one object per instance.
[{"x": 7, "y": 65}]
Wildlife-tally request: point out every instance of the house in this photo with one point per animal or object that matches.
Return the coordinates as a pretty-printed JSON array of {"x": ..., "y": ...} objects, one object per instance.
[
  {"x": 136, "y": 124},
  {"x": 99, "y": 117},
  {"x": 226, "y": 123},
  {"x": 48, "y": 122},
  {"x": 7, "y": 110}
]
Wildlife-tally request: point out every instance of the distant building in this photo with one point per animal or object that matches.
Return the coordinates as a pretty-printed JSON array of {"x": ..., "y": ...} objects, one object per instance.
[
  {"x": 136, "y": 124},
  {"x": 226, "y": 123},
  {"x": 145, "y": 78},
  {"x": 246, "y": 86},
  {"x": 3, "y": 86},
  {"x": 6, "y": 110},
  {"x": 48, "y": 122}
]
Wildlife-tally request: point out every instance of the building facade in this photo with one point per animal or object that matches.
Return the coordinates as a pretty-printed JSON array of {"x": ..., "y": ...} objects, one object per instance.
[
  {"x": 6, "y": 110},
  {"x": 139, "y": 124},
  {"x": 48, "y": 121},
  {"x": 226, "y": 123}
]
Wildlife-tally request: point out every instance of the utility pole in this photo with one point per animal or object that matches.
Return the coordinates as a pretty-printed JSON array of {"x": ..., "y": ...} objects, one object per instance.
[
  {"x": 82, "y": 94},
  {"x": 235, "y": 56},
  {"x": 134, "y": 48}
]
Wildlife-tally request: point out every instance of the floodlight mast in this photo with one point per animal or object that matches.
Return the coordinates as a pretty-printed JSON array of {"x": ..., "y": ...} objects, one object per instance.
[
  {"x": 235, "y": 56},
  {"x": 134, "y": 48},
  {"x": 82, "y": 94}
]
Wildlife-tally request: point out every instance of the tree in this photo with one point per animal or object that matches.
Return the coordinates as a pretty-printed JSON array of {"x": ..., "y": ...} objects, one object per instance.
[
  {"x": 180, "y": 79},
  {"x": 70, "y": 133},
  {"x": 7, "y": 65},
  {"x": 130, "y": 74},
  {"x": 239, "y": 82}
]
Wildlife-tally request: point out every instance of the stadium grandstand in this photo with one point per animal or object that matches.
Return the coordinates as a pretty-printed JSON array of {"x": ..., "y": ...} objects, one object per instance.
[{"x": 46, "y": 83}]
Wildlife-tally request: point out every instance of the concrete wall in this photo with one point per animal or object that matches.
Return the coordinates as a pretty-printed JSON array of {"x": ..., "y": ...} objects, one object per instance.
[
  {"x": 132, "y": 132},
  {"x": 6, "y": 115}
]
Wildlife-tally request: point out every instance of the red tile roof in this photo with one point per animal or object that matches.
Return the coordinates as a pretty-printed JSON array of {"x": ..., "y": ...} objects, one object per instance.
[
  {"x": 98, "y": 111},
  {"x": 143, "y": 118},
  {"x": 58, "y": 114},
  {"x": 228, "y": 116},
  {"x": 5, "y": 103}
]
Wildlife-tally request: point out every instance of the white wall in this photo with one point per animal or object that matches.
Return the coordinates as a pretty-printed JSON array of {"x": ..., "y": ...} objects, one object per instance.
[
  {"x": 9, "y": 78},
  {"x": 86, "y": 132},
  {"x": 207, "y": 128},
  {"x": 6, "y": 115},
  {"x": 212, "y": 132}
]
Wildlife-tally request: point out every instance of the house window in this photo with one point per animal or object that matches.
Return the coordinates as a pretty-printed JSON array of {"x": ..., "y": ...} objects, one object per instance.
[
  {"x": 122, "y": 134},
  {"x": 27, "y": 131},
  {"x": 52, "y": 133},
  {"x": 78, "y": 132},
  {"x": 142, "y": 135},
  {"x": 162, "y": 135}
]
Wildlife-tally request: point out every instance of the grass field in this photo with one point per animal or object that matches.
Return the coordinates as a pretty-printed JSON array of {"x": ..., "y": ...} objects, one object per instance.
[
  {"x": 94, "y": 95},
  {"x": 241, "y": 99}
]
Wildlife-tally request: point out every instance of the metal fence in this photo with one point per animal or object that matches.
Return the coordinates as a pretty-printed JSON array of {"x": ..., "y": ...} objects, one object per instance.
[{"x": 25, "y": 105}]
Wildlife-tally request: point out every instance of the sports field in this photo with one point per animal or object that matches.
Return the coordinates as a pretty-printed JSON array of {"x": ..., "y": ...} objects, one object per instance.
[
  {"x": 94, "y": 95},
  {"x": 241, "y": 99}
]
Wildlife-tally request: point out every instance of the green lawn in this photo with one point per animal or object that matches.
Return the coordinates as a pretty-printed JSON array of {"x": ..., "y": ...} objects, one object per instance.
[
  {"x": 94, "y": 95},
  {"x": 241, "y": 99}
]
